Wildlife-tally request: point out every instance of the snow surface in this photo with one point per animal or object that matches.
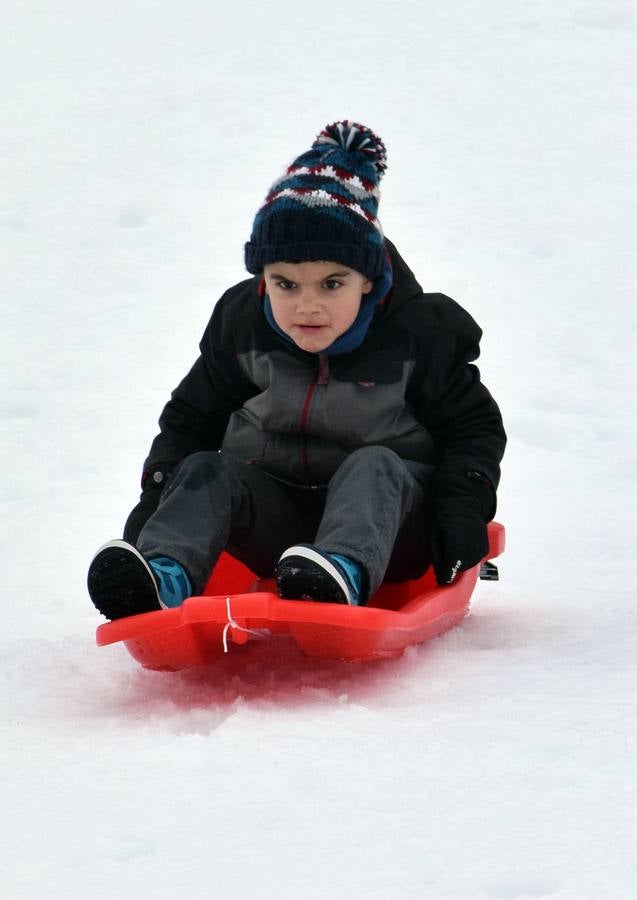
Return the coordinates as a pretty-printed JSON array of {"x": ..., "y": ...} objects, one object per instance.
[{"x": 498, "y": 761}]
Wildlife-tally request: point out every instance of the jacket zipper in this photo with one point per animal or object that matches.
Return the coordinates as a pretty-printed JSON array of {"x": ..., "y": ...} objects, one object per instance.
[{"x": 321, "y": 377}]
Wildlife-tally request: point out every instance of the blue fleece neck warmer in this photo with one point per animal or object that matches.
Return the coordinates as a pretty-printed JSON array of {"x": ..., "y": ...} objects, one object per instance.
[{"x": 355, "y": 334}]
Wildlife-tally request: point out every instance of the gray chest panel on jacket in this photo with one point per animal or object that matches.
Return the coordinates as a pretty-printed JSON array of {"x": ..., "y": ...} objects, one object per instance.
[{"x": 302, "y": 429}]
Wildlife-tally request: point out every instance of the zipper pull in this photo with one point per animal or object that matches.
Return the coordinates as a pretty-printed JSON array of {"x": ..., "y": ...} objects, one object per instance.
[{"x": 323, "y": 375}]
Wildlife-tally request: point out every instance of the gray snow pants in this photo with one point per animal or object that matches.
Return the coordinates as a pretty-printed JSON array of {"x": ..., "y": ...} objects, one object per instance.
[{"x": 374, "y": 510}]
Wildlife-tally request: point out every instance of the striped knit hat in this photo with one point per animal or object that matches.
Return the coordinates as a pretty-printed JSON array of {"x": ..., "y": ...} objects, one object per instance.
[{"x": 324, "y": 207}]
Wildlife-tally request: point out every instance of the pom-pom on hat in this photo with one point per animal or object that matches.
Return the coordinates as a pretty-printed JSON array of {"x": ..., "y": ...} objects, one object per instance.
[{"x": 325, "y": 205}]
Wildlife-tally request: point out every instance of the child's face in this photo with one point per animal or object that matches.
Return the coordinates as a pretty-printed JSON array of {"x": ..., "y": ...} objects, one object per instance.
[{"x": 314, "y": 303}]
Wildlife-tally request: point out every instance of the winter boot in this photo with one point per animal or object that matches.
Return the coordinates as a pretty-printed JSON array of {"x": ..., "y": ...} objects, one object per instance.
[
  {"x": 307, "y": 573},
  {"x": 122, "y": 583}
]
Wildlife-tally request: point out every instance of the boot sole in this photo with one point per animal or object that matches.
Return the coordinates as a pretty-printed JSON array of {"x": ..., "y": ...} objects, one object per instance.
[
  {"x": 120, "y": 582},
  {"x": 304, "y": 574}
]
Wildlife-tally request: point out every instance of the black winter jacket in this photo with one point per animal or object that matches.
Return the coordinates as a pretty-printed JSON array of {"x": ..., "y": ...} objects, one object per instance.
[{"x": 409, "y": 386}]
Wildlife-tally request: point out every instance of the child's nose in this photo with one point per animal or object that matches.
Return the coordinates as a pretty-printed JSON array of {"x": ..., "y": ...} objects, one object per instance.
[{"x": 308, "y": 299}]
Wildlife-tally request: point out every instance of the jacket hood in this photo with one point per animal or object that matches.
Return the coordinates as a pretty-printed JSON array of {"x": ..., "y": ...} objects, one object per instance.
[{"x": 405, "y": 286}]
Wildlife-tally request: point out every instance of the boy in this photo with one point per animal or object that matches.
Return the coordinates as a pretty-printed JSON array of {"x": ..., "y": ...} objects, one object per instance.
[{"x": 332, "y": 432}]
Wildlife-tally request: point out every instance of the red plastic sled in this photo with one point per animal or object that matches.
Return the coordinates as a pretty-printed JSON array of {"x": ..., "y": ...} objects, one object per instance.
[{"x": 236, "y": 607}]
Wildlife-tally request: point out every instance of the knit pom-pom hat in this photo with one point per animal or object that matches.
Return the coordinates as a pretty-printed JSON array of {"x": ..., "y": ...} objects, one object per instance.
[{"x": 325, "y": 205}]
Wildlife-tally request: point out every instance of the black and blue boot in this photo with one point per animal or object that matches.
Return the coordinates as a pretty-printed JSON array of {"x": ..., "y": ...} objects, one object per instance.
[
  {"x": 122, "y": 583},
  {"x": 306, "y": 573}
]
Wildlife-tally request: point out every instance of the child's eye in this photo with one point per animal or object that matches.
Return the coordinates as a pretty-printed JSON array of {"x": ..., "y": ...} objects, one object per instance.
[
  {"x": 332, "y": 284},
  {"x": 285, "y": 285}
]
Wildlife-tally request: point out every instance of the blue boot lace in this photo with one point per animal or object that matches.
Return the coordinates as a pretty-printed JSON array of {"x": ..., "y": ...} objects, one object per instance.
[
  {"x": 354, "y": 575},
  {"x": 172, "y": 582}
]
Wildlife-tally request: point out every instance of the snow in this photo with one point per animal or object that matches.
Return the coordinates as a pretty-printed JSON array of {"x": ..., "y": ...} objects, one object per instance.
[{"x": 494, "y": 762}]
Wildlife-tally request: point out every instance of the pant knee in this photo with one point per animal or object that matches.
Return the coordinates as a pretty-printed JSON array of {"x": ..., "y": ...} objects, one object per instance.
[
  {"x": 197, "y": 460},
  {"x": 202, "y": 468},
  {"x": 376, "y": 457}
]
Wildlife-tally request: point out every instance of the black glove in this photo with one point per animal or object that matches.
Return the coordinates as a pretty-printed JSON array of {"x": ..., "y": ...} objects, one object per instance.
[
  {"x": 153, "y": 482},
  {"x": 463, "y": 503}
]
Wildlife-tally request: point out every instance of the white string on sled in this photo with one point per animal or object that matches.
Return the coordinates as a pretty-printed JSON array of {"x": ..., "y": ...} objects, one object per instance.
[{"x": 233, "y": 624}]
